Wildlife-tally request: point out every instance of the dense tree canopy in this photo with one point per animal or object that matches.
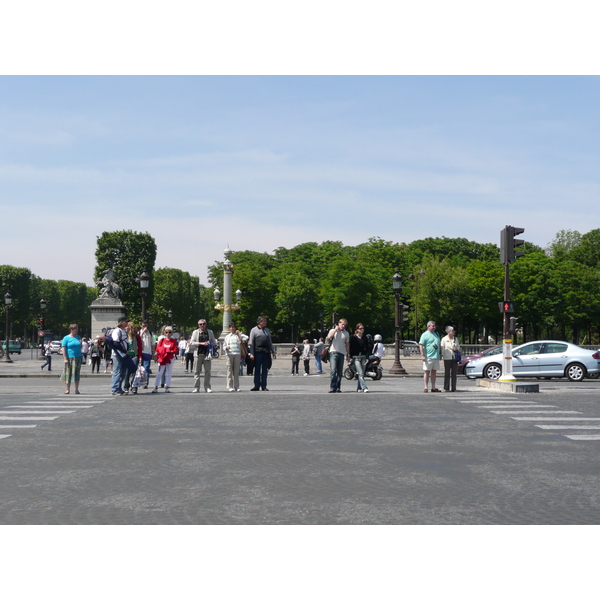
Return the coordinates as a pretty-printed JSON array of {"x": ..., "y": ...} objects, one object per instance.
[{"x": 454, "y": 281}]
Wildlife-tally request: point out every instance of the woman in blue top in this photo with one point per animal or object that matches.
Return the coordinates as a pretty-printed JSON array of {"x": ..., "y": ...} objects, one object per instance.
[{"x": 71, "y": 351}]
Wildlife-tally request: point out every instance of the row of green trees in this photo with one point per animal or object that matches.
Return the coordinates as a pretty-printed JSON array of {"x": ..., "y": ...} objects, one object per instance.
[{"x": 455, "y": 281}]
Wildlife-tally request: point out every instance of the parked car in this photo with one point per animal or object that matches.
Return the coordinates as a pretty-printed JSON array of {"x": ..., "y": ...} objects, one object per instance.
[
  {"x": 55, "y": 346},
  {"x": 545, "y": 358},
  {"x": 487, "y": 352},
  {"x": 14, "y": 347}
]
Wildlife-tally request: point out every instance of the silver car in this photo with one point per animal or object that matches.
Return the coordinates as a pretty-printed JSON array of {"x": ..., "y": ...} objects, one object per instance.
[{"x": 546, "y": 358}]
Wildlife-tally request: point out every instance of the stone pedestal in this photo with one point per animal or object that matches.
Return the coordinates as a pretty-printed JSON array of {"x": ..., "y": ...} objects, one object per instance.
[{"x": 105, "y": 312}]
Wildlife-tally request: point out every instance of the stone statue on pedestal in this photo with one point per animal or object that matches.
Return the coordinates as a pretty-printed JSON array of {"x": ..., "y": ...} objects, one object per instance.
[{"x": 110, "y": 288}]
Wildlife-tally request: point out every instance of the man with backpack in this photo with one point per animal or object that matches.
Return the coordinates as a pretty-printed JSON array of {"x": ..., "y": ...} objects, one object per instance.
[{"x": 117, "y": 342}]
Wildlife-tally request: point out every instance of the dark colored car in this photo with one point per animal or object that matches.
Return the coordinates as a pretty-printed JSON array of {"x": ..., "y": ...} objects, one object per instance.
[{"x": 488, "y": 352}]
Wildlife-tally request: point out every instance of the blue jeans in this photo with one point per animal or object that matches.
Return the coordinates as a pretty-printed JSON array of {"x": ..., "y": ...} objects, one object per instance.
[
  {"x": 359, "y": 365},
  {"x": 146, "y": 360},
  {"x": 337, "y": 370},
  {"x": 261, "y": 361},
  {"x": 118, "y": 374},
  {"x": 318, "y": 363}
]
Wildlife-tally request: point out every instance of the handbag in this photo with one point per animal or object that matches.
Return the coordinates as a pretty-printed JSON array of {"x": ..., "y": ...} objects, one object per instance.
[
  {"x": 326, "y": 350},
  {"x": 457, "y": 356}
]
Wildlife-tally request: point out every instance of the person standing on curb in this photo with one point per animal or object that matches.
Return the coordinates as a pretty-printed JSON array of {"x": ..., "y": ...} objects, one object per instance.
[
  {"x": 119, "y": 371},
  {"x": 232, "y": 345},
  {"x": 260, "y": 350},
  {"x": 449, "y": 347},
  {"x": 317, "y": 349},
  {"x": 429, "y": 347},
  {"x": 201, "y": 340},
  {"x": 340, "y": 349},
  {"x": 148, "y": 346},
  {"x": 71, "y": 351},
  {"x": 360, "y": 349},
  {"x": 296, "y": 353},
  {"x": 306, "y": 357},
  {"x": 166, "y": 352}
]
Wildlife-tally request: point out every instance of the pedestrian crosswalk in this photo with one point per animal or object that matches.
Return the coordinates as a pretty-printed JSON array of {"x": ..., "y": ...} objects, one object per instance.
[
  {"x": 30, "y": 413},
  {"x": 547, "y": 417}
]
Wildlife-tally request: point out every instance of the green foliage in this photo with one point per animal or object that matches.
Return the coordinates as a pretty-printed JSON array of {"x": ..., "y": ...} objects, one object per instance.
[
  {"x": 179, "y": 292},
  {"x": 129, "y": 254},
  {"x": 17, "y": 282}
]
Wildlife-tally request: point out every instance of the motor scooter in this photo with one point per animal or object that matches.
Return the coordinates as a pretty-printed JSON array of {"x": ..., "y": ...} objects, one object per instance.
[{"x": 373, "y": 369}]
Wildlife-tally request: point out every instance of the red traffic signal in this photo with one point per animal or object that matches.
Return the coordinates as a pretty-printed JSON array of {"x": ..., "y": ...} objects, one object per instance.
[{"x": 506, "y": 306}]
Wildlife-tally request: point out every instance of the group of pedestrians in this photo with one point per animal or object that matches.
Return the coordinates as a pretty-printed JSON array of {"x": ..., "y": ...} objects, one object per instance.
[{"x": 131, "y": 352}]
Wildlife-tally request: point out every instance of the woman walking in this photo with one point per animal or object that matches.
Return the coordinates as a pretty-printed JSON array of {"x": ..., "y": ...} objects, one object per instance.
[
  {"x": 48, "y": 355},
  {"x": 71, "y": 351},
  {"x": 449, "y": 346},
  {"x": 232, "y": 344},
  {"x": 166, "y": 351},
  {"x": 360, "y": 350}
]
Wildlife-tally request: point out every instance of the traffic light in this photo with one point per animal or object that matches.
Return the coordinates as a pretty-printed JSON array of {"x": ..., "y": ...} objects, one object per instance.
[
  {"x": 512, "y": 326},
  {"x": 403, "y": 313},
  {"x": 506, "y": 306},
  {"x": 508, "y": 243}
]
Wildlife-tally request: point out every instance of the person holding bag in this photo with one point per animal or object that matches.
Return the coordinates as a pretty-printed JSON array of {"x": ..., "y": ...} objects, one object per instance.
[
  {"x": 166, "y": 351},
  {"x": 232, "y": 345},
  {"x": 201, "y": 342},
  {"x": 450, "y": 348}
]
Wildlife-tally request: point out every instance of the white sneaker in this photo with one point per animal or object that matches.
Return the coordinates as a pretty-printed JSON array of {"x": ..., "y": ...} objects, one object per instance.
[
  {"x": 305, "y": 374},
  {"x": 208, "y": 390},
  {"x": 195, "y": 391},
  {"x": 366, "y": 390},
  {"x": 231, "y": 390},
  {"x": 239, "y": 390}
]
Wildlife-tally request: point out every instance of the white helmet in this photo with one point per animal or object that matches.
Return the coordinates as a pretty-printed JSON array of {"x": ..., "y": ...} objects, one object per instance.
[{"x": 377, "y": 338}]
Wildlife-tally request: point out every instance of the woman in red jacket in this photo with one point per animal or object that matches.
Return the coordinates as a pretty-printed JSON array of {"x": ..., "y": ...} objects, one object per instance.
[{"x": 166, "y": 351}]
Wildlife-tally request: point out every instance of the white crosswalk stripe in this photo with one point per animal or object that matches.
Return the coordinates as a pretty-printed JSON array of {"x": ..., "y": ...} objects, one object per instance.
[
  {"x": 5, "y": 436},
  {"x": 529, "y": 407}
]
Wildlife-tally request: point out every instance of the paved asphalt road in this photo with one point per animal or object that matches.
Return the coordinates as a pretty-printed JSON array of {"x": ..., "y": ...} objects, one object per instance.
[{"x": 298, "y": 455}]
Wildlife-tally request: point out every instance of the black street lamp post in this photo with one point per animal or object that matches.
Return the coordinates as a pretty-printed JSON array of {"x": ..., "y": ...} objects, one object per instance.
[
  {"x": 7, "y": 303},
  {"x": 144, "y": 281},
  {"x": 397, "y": 368},
  {"x": 42, "y": 332}
]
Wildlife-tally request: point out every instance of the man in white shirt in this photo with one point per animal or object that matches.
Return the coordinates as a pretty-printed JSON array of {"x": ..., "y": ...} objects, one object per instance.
[{"x": 339, "y": 350}]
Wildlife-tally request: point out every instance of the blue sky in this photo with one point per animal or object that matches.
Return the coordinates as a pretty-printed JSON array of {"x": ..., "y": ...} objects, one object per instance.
[{"x": 202, "y": 162}]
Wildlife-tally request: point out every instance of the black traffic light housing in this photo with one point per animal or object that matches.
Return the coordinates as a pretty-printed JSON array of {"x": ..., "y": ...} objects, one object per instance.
[
  {"x": 403, "y": 313},
  {"x": 508, "y": 243}
]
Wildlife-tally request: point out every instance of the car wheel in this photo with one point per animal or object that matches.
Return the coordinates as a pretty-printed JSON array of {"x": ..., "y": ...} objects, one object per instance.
[
  {"x": 492, "y": 371},
  {"x": 575, "y": 372},
  {"x": 348, "y": 374}
]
